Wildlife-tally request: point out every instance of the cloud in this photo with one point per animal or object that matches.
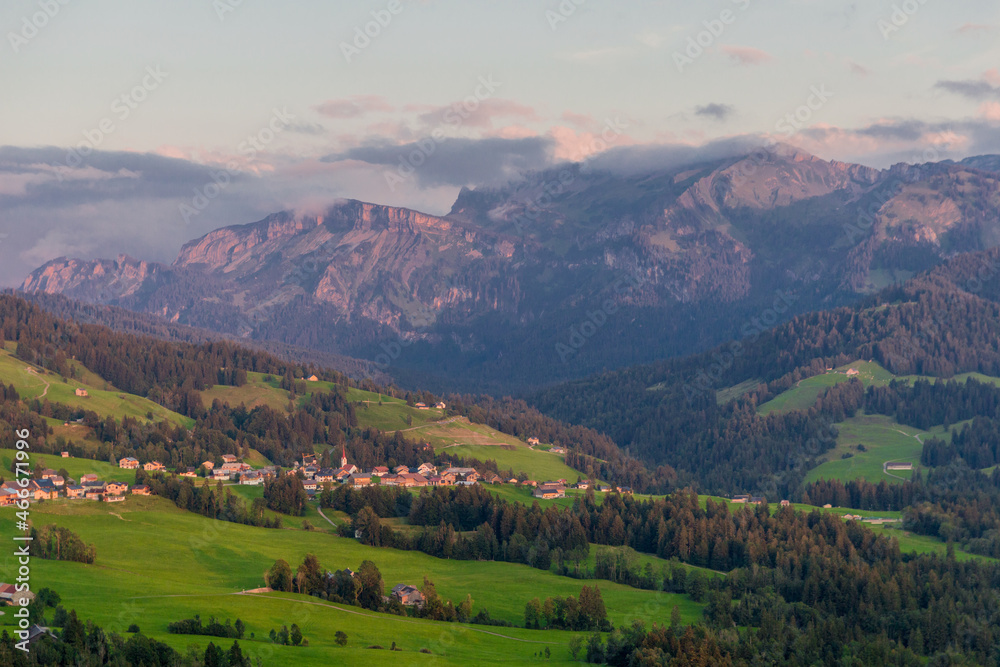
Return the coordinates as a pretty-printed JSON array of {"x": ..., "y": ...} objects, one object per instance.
[
  {"x": 985, "y": 87},
  {"x": 715, "y": 111},
  {"x": 457, "y": 161},
  {"x": 972, "y": 89},
  {"x": 974, "y": 29},
  {"x": 354, "y": 106},
  {"x": 480, "y": 115},
  {"x": 638, "y": 159},
  {"x": 746, "y": 55}
]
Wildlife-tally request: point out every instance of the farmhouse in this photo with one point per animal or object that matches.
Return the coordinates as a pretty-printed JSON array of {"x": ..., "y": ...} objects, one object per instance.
[
  {"x": 312, "y": 378},
  {"x": 440, "y": 405},
  {"x": 492, "y": 478},
  {"x": 359, "y": 479},
  {"x": 140, "y": 490},
  {"x": 411, "y": 479},
  {"x": 550, "y": 491},
  {"x": 74, "y": 491},
  {"x": 251, "y": 479},
  {"x": 756, "y": 500},
  {"x": 785, "y": 503},
  {"x": 421, "y": 406},
  {"x": 325, "y": 475},
  {"x": 427, "y": 468},
  {"x": 153, "y": 465},
  {"x": 229, "y": 458},
  {"x": 9, "y": 595},
  {"x": 116, "y": 488},
  {"x": 7, "y": 496},
  {"x": 558, "y": 450},
  {"x": 189, "y": 472},
  {"x": 400, "y": 470},
  {"x": 852, "y": 372},
  {"x": 43, "y": 489},
  {"x": 113, "y": 499},
  {"x": 208, "y": 465},
  {"x": 129, "y": 463},
  {"x": 82, "y": 392},
  {"x": 65, "y": 455},
  {"x": 532, "y": 441},
  {"x": 408, "y": 595},
  {"x": 308, "y": 459},
  {"x": 469, "y": 474}
]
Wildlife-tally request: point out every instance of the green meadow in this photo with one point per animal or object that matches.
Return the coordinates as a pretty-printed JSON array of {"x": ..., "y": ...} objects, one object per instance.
[
  {"x": 884, "y": 440},
  {"x": 75, "y": 467},
  {"x": 804, "y": 394},
  {"x": 35, "y": 382},
  {"x": 188, "y": 565}
]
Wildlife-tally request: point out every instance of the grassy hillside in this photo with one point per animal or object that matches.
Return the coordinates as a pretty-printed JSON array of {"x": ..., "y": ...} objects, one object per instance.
[
  {"x": 36, "y": 382},
  {"x": 75, "y": 467},
  {"x": 804, "y": 394},
  {"x": 462, "y": 438},
  {"x": 190, "y": 564},
  {"x": 883, "y": 438},
  {"x": 457, "y": 437}
]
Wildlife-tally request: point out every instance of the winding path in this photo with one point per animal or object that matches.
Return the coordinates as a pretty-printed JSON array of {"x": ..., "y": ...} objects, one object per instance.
[{"x": 32, "y": 371}]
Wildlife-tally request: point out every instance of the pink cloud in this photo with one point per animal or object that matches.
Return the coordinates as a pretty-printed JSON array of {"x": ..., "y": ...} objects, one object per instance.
[
  {"x": 576, "y": 146},
  {"x": 578, "y": 119},
  {"x": 747, "y": 55},
  {"x": 990, "y": 111},
  {"x": 972, "y": 29},
  {"x": 354, "y": 106}
]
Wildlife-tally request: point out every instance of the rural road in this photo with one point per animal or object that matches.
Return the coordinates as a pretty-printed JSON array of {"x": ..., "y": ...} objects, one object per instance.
[{"x": 885, "y": 464}]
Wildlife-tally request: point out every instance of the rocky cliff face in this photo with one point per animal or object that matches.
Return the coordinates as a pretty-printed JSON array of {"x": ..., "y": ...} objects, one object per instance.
[{"x": 657, "y": 263}]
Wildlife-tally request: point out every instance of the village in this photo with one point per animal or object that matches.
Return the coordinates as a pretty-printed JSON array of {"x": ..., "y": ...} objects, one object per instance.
[{"x": 48, "y": 484}]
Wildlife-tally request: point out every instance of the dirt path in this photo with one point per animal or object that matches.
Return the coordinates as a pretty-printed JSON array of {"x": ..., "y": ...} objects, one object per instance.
[
  {"x": 440, "y": 423},
  {"x": 320, "y": 510},
  {"x": 32, "y": 371}
]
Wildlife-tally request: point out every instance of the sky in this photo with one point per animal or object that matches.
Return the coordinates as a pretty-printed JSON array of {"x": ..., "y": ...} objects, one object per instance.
[{"x": 135, "y": 126}]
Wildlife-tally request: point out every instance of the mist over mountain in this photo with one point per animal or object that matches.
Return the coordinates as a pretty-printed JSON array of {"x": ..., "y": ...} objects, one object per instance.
[{"x": 563, "y": 272}]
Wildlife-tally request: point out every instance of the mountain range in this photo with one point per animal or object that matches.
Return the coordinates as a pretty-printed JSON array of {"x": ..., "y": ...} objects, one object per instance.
[{"x": 563, "y": 272}]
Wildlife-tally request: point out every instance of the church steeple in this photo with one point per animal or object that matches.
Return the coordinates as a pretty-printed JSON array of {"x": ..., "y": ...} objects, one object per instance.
[{"x": 343, "y": 455}]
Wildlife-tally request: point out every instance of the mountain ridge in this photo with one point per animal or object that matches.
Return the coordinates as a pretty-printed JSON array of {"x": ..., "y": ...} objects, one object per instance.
[{"x": 505, "y": 275}]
